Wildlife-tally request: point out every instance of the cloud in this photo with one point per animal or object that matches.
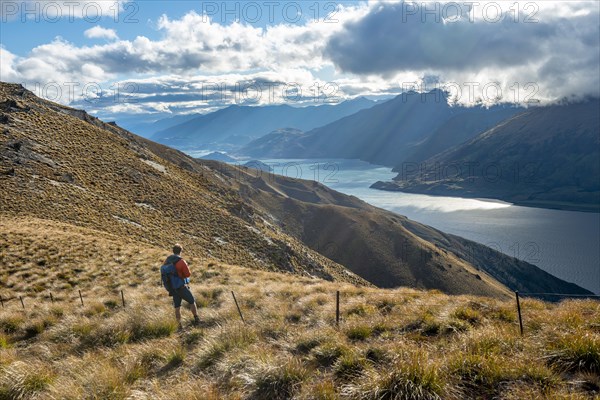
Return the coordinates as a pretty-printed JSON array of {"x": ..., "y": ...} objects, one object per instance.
[
  {"x": 190, "y": 46},
  {"x": 7, "y": 62},
  {"x": 161, "y": 96},
  {"x": 375, "y": 49},
  {"x": 554, "y": 46},
  {"x": 98, "y": 32}
]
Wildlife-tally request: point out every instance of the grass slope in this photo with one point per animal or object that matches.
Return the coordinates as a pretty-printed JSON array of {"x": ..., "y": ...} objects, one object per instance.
[
  {"x": 61, "y": 164},
  {"x": 390, "y": 344}
]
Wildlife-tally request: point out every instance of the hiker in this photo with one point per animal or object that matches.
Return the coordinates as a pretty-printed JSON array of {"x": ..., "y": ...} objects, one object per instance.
[{"x": 179, "y": 280}]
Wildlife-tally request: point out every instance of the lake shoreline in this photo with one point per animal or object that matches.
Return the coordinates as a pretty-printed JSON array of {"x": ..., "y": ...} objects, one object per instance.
[{"x": 544, "y": 204}]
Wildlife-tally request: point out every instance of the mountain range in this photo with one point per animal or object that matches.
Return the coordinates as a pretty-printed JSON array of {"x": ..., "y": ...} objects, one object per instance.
[
  {"x": 544, "y": 156},
  {"x": 410, "y": 127},
  {"x": 234, "y": 126},
  {"x": 147, "y": 128},
  {"x": 60, "y": 164}
]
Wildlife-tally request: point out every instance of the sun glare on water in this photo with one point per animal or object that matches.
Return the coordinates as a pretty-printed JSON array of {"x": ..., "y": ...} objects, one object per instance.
[{"x": 396, "y": 200}]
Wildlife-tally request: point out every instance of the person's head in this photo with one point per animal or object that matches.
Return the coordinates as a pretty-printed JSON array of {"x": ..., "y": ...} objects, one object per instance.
[{"x": 177, "y": 249}]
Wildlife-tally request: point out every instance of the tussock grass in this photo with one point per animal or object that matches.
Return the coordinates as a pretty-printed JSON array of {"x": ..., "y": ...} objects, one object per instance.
[
  {"x": 390, "y": 344},
  {"x": 574, "y": 353},
  {"x": 277, "y": 380},
  {"x": 413, "y": 379}
]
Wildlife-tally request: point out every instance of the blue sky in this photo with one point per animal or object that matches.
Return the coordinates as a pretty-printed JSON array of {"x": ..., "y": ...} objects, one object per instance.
[{"x": 151, "y": 59}]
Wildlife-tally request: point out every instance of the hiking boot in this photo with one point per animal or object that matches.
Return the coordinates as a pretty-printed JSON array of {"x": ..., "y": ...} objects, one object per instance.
[
  {"x": 196, "y": 320},
  {"x": 180, "y": 328}
]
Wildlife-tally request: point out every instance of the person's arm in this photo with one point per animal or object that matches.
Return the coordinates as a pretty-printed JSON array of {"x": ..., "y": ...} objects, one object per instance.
[{"x": 182, "y": 269}]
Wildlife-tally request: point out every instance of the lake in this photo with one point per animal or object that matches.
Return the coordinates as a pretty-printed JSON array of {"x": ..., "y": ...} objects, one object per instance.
[{"x": 563, "y": 243}]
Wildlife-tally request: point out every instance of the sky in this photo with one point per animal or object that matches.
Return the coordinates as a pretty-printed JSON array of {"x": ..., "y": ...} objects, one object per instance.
[{"x": 154, "y": 59}]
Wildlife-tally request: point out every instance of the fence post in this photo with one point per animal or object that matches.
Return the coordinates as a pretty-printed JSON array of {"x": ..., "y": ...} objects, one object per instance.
[
  {"x": 238, "y": 307},
  {"x": 337, "y": 308},
  {"x": 23, "y": 304},
  {"x": 51, "y": 298},
  {"x": 519, "y": 312},
  {"x": 80, "y": 297},
  {"x": 2, "y": 301},
  {"x": 123, "y": 298}
]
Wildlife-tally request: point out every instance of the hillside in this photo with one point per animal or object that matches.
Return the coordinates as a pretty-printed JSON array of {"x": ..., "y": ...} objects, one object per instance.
[
  {"x": 61, "y": 164},
  {"x": 399, "y": 344},
  {"x": 234, "y": 126},
  {"x": 58, "y": 161},
  {"x": 387, "y": 249},
  {"x": 397, "y": 131},
  {"x": 546, "y": 156}
]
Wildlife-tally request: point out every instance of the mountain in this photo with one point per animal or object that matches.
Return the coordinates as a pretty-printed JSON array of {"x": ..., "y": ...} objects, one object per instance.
[
  {"x": 62, "y": 166},
  {"x": 278, "y": 143},
  {"x": 148, "y": 128},
  {"x": 236, "y": 125},
  {"x": 546, "y": 156},
  {"x": 218, "y": 156},
  {"x": 410, "y": 127}
]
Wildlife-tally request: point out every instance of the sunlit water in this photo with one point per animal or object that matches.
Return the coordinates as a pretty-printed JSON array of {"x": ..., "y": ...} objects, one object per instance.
[{"x": 563, "y": 243}]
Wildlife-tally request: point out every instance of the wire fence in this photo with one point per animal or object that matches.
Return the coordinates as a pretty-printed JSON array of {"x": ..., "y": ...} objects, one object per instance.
[{"x": 338, "y": 302}]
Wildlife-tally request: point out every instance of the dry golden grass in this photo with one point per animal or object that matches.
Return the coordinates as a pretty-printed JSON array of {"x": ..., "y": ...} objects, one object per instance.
[
  {"x": 390, "y": 344},
  {"x": 61, "y": 164}
]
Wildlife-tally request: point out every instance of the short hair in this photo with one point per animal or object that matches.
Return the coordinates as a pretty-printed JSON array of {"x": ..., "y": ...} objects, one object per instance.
[{"x": 177, "y": 249}]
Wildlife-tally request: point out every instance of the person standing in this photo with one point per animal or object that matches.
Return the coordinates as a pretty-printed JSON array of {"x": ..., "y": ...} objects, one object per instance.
[{"x": 182, "y": 292}]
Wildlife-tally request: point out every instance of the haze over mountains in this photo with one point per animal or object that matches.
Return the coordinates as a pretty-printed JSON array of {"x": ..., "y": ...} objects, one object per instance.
[
  {"x": 407, "y": 128},
  {"x": 60, "y": 164},
  {"x": 544, "y": 156},
  {"x": 235, "y": 125}
]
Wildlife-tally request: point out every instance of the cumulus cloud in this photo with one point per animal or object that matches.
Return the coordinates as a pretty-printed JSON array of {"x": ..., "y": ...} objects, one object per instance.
[
  {"x": 98, "y": 32},
  {"x": 553, "y": 46},
  {"x": 193, "y": 45},
  {"x": 188, "y": 45},
  {"x": 7, "y": 62}
]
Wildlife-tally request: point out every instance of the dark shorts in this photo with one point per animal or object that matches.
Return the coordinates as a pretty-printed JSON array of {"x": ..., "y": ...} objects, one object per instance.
[{"x": 183, "y": 293}]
